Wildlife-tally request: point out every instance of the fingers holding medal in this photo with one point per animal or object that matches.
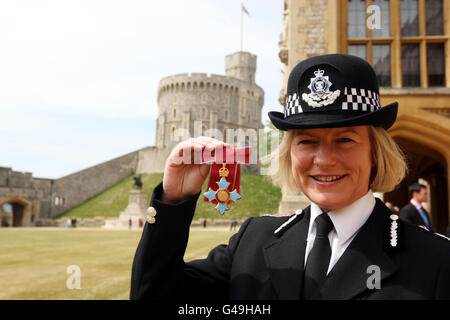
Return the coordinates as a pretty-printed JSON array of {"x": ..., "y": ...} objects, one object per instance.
[{"x": 188, "y": 166}]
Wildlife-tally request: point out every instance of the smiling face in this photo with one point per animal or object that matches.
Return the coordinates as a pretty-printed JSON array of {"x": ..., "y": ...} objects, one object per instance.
[{"x": 332, "y": 165}]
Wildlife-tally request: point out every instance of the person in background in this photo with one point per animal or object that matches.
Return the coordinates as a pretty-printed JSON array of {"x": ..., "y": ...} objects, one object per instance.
[{"x": 414, "y": 212}]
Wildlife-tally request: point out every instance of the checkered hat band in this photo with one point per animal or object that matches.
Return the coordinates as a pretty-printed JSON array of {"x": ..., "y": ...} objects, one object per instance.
[
  {"x": 361, "y": 100},
  {"x": 354, "y": 99},
  {"x": 292, "y": 105}
]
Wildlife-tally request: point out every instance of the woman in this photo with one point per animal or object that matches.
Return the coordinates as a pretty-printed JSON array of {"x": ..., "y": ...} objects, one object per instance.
[{"x": 345, "y": 245}]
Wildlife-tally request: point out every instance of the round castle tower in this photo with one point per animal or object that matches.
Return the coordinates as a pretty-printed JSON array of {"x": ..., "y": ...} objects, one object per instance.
[{"x": 233, "y": 101}]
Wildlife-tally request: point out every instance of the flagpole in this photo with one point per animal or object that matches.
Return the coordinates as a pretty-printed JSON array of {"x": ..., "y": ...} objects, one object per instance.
[{"x": 242, "y": 26}]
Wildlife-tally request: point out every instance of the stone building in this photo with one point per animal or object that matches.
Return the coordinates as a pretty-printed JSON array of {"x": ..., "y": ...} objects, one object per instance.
[
  {"x": 200, "y": 104},
  {"x": 408, "y": 44},
  {"x": 28, "y": 200},
  {"x": 219, "y": 102},
  {"x": 195, "y": 104},
  {"x": 27, "y": 197}
]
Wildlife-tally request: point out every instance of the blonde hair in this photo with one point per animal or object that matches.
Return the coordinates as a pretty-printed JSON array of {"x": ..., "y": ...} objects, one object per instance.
[
  {"x": 389, "y": 162},
  {"x": 390, "y": 165}
]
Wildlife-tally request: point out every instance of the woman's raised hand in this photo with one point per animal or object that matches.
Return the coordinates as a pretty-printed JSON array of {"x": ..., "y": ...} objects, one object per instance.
[{"x": 184, "y": 172}]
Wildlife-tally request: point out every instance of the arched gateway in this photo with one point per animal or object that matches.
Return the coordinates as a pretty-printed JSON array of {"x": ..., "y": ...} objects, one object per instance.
[
  {"x": 426, "y": 149},
  {"x": 19, "y": 215}
]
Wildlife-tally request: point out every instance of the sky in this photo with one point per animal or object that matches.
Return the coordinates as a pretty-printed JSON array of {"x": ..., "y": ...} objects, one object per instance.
[{"x": 79, "y": 78}]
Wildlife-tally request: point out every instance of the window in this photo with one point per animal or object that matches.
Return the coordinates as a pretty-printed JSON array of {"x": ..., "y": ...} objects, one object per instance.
[
  {"x": 381, "y": 61},
  {"x": 368, "y": 32},
  {"x": 204, "y": 98},
  {"x": 227, "y": 100},
  {"x": 404, "y": 40},
  {"x": 358, "y": 50},
  {"x": 356, "y": 19},
  {"x": 435, "y": 64},
  {"x": 409, "y": 18},
  {"x": 434, "y": 17},
  {"x": 411, "y": 65}
]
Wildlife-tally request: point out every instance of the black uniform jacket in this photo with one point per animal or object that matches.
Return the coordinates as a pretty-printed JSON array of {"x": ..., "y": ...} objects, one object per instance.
[
  {"x": 256, "y": 264},
  {"x": 410, "y": 214}
]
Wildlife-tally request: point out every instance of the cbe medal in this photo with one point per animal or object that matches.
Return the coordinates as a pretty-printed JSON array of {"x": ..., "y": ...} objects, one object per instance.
[{"x": 224, "y": 181}]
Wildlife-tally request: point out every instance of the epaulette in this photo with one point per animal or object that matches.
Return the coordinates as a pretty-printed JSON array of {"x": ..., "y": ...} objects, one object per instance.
[
  {"x": 438, "y": 234},
  {"x": 289, "y": 223},
  {"x": 441, "y": 235}
]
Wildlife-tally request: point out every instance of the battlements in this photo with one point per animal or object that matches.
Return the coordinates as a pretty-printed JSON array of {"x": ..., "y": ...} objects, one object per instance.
[
  {"x": 197, "y": 80},
  {"x": 10, "y": 178}
]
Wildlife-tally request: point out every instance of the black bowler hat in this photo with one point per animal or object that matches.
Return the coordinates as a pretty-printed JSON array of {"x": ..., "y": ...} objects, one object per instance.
[{"x": 333, "y": 90}]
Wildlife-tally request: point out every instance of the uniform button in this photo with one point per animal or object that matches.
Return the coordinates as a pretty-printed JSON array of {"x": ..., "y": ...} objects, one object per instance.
[{"x": 151, "y": 213}]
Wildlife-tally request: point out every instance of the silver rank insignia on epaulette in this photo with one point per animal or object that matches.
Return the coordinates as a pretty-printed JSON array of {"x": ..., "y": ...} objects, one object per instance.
[
  {"x": 290, "y": 222},
  {"x": 394, "y": 235}
]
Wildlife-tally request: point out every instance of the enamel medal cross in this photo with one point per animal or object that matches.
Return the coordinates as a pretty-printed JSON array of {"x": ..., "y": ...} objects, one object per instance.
[
  {"x": 222, "y": 195},
  {"x": 224, "y": 180}
]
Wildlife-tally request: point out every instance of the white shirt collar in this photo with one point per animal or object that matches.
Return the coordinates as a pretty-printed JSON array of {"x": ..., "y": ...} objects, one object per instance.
[
  {"x": 416, "y": 204},
  {"x": 348, "y": 220}
]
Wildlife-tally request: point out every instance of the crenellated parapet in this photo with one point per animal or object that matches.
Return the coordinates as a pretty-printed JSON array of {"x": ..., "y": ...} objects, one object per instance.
[{"x": 215, "y": 101}]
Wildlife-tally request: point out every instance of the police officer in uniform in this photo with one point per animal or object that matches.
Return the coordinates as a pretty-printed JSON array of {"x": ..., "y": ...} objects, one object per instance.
[{"x": 337, "y": 152}]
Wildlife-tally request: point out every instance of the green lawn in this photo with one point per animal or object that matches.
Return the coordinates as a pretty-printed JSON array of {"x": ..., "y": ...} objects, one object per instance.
[
  {"x": 259, "y": 196},
  {"x": 113, "y": 200},
  {"x": 33, "y": 262}
]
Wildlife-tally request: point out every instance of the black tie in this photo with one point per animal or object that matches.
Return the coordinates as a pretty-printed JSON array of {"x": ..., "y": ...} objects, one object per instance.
[{"x": 319, "y": 257}]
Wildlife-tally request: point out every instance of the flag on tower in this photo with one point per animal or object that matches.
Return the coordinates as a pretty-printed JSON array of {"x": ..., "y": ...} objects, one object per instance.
[{"x": 245, "y": 10}]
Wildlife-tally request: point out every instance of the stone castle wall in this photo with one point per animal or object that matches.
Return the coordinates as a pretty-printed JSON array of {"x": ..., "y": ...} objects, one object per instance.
[
  {"x": 78, "y": 187},
  {"x": 47, "y": 198},
  {"x": 217, "y": 101},
  {"x": 45, "y": 201},
  {"x": 32, "y": 194},
  {"x": 196, "y": 104},
  {"x": 151, "y": 160}
]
